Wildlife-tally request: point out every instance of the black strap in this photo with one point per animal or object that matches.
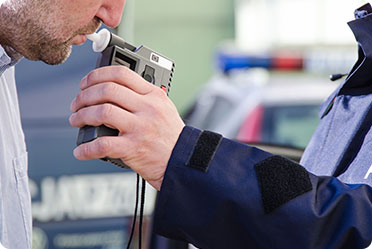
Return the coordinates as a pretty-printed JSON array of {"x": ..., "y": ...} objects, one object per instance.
[
  {"x": 141, "y": 213},
  {"x": 142, "y": 207},
  {"x": 135, "y": 214}
]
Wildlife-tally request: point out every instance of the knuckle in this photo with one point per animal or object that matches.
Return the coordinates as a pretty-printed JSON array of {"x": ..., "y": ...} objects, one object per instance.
[
  {"x": 123, "y": 69},
  {"x": 102, "y": 146},
  {"x": 104, "y": 91},
  {"x": 122, "y": 72},
  {"x": 150, "y": 107},
  {"x": 108, "y": 90},
  {"x": 155, "y": 106},
  {"x": 158, "y": 91},
  {"x": 159, "y": 94},
  {"x": 85, "y": 151},
  {"x": 105, "y": 111}
]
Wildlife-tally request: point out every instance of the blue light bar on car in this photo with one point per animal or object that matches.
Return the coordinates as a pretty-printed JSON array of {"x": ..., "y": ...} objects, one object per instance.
[{"x": 227, "y": 62}]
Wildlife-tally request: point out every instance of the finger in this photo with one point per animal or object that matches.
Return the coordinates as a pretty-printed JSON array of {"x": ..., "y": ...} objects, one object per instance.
[
  {"x": 101, "y": 147},
  {"x": 107, "y": 92},
  {"x": 118, "y": 74},
  {"x": 105, "y": 114}
]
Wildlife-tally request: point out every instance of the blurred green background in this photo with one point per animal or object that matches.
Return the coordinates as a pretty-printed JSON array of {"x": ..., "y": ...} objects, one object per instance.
[{"x": 185, "y": 31}]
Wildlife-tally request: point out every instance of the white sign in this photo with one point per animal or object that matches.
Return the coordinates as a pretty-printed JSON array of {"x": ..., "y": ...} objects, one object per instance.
[{"x": 87, "y": 196}]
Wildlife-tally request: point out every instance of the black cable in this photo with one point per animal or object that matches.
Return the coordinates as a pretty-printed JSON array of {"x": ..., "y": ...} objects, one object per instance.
[
  {"x": 135, "y": 214},
  {"x": 141, "y": 212}
]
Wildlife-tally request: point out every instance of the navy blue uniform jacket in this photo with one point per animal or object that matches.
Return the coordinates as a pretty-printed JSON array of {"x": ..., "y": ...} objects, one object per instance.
[{"x": 221, "y": 194}]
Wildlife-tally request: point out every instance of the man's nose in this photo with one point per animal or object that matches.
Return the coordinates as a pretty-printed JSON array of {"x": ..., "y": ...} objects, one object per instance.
[{"x": 111, "y": 12}]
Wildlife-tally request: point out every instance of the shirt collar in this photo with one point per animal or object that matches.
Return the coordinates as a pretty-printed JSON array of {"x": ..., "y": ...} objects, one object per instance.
[
  {"x": 4, "y": 58},
  {"x": 6, "y": 61},
  {"x": 363, "y": 11}
]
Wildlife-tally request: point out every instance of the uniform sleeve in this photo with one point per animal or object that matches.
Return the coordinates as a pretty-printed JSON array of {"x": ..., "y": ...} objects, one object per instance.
[{"x": 218, "y": 193}]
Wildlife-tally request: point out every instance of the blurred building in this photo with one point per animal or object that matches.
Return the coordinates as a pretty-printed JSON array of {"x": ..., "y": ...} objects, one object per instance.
[{"x": 268, "y": 24}]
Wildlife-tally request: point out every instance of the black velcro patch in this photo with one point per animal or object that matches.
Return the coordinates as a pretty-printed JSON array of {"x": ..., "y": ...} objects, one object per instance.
[
  {"x": 204, "y": 150},
  {"x": 280, "y": 181}
]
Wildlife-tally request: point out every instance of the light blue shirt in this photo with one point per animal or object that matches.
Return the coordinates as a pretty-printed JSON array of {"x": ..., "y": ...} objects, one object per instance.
[{"x": 15, "y": 201}]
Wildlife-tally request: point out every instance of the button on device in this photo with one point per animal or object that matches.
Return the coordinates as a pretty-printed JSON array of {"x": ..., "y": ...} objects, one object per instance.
[
  {"x": 164, "y": 88},
  {"x": 149, "y": 74}
]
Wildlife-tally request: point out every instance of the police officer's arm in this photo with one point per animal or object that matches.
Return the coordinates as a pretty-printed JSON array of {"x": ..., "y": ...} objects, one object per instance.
[{"x": 218, "y": 193}]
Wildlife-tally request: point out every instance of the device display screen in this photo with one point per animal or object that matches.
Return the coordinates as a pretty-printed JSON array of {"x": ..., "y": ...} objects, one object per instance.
[{"x": 125, "y": 61}]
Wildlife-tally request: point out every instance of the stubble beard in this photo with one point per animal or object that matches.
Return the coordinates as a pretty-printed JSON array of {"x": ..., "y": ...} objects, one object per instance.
[
  {"x": 54, "y": 51},
  {"x": 35, "y": 35}
]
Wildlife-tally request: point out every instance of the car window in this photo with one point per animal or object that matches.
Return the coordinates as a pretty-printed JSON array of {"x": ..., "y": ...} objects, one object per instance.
[{"x": 291, "y": 125}]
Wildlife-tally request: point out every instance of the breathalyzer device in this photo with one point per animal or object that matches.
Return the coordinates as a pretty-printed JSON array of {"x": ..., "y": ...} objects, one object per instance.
[{"x": 153, "y": 67}]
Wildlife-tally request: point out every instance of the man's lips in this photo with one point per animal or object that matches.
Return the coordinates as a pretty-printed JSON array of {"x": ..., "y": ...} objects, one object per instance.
[{"x": 78, "y": 40}]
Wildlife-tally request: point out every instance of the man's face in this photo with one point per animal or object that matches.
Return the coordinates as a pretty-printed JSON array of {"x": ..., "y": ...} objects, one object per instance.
[{"x": 46, "y": 29}]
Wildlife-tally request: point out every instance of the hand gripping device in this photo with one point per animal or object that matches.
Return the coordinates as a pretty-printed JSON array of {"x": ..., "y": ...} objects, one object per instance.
[{"x": 153, "y": 67}]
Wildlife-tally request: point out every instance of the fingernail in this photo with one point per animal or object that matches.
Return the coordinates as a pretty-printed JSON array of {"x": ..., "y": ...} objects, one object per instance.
[
  {"x": 72, "y": 106},
  {"x": 71, "y": 119},
  {"x": 84, "y": 83},
  {"x": 76, "y": 153}
]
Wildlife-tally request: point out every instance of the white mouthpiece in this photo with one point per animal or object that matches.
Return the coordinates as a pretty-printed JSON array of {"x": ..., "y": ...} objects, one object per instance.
[{"x": 100, "y": 40}]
